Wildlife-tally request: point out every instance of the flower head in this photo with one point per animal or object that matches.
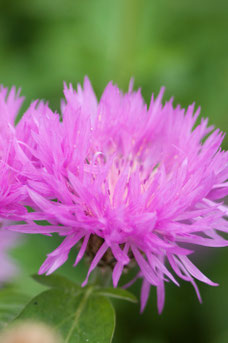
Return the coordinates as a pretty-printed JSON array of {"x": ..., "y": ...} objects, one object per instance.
[
  {"x": 11, "y": 189},
  {"x": 130, "y": 183}
]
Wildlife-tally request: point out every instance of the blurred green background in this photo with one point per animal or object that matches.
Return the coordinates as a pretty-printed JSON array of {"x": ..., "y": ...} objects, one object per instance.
[{"x": 182, "y": 45}]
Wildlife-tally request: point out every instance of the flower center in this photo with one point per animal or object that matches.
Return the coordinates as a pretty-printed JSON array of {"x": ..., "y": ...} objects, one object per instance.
[
  {"x": 94, "y": 244},
  {"x": 108, "y": 260}
]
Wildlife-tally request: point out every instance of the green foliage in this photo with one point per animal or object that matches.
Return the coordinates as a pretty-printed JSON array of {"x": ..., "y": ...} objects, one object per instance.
[
  {"x": 117, "y": 293},
  {"x": 56, "y": 281},
  {"x": 79, "y": 314},
  {"x": 11, "y": 304}
]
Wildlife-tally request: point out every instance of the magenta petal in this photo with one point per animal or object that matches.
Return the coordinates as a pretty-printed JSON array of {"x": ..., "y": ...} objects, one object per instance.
[
  {"x": 95, "y": 261},
  {"x": 145, "y": 268},
  {"x": 117, "y": 271},
  {"x": 32, "y": 228},
  {"x": 195, "y": 272},
  {"x": 160, "y": 296},
  {"x": 145, "y": 291},
  {"x": 82, "y": 250},
  {"x": 119, "y": 254},
  {"x": 67, "y": 244},
  {"x": 52, "y": 263}
]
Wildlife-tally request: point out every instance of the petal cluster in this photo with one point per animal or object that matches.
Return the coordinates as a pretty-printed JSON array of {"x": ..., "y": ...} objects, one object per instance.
[
  {"x": 129, "y": 183},
  {"x": 12, "y": 191}
]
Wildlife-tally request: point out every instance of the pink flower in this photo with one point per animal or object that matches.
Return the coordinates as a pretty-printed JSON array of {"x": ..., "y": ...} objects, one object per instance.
[
  {"x": 130, "y": 184},
  {"x": 11, "y": 189}
]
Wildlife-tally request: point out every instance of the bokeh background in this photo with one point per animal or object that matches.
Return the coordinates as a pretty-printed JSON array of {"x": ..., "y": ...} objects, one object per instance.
[{"x": 182, "y": 45}]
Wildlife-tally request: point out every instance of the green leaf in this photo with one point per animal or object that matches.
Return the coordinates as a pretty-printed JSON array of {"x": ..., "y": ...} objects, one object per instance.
[
  {"x": 56, "y": 281},
  {"x": 11, "y": 304},
  {"x": 81, "y": 317},
  {"x": 118, "y": 293}
]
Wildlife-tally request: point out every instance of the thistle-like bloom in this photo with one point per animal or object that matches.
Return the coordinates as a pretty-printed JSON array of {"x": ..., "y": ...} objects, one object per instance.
[
  {"x": 12, "y": 192},
  {"x": 126, "y": 182}
]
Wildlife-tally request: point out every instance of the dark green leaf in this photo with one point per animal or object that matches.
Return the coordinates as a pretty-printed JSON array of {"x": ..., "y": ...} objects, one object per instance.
[
  {"x": 11, "y": 304},
  {"x": 118, "y": 293},
  {"x": 56, "y": 281},
  {"x": 81, "y": 317}
]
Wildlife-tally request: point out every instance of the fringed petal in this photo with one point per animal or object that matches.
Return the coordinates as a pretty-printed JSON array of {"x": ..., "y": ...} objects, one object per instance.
[{"x": 95, "y": 261}]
